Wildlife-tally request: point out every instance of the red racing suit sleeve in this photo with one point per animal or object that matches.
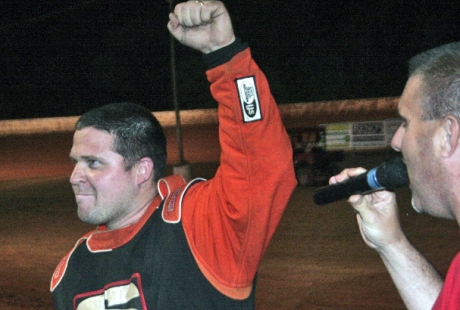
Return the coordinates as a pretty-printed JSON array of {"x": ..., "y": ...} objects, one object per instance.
[{"x": 230, "y": 219}]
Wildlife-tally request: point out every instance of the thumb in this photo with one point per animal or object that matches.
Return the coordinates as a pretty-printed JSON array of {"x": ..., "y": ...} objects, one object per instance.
[{"x": 173, "y": 23}]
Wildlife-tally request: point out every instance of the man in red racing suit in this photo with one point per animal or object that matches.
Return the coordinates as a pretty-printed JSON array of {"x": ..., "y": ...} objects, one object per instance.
[{"x": 197, "y": 245}]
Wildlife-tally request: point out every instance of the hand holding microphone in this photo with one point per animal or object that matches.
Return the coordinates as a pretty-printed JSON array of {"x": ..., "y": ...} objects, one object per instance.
[{"x": 389, "y": 175}]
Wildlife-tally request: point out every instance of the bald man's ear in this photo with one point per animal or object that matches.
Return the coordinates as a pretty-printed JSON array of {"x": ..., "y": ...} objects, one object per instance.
[
  {"x": 450, "y": 135},
  {"x": 144, "y": 170}
]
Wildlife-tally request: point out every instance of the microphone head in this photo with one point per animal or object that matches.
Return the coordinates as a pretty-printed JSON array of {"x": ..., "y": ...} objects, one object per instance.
[{"x": 392, "y": 173}]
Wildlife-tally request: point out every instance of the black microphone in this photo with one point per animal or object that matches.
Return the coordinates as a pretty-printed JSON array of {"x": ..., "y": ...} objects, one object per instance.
[{"x": 389, "y": 175}]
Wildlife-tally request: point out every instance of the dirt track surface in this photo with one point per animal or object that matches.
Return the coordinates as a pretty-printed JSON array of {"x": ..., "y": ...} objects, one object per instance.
[{"x": 316, "y": 260}]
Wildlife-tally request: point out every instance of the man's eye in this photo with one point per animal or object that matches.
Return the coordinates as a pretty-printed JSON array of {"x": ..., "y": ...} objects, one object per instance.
[{"x": 93, "y": 163}]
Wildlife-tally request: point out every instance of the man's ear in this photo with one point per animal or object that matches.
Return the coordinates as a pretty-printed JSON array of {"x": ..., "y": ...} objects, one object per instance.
[
  {"x": 450, "y": 135},
  {"x": 144, "y": 171}
]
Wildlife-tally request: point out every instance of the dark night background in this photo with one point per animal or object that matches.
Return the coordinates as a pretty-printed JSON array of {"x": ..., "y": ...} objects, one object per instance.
[{"x": 60, "y": 58}]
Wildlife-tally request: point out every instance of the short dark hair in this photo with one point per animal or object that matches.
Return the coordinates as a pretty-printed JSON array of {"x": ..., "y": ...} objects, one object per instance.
[
  {"x": 439, "y": 70},
  {"x": 137, "y": 133}
]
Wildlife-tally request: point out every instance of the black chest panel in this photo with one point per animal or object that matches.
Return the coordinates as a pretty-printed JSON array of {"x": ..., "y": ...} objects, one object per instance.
[{"x": 155, "y": 270}]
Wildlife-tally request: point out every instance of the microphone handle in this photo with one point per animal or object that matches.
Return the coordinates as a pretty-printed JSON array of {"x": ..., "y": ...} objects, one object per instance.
[{"x": 339, "y": 191}]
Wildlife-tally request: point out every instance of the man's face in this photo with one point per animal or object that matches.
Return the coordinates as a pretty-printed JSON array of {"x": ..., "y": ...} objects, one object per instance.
[
  {"x": 415, "y": 138},
  {"x": 103, "y": 189}
]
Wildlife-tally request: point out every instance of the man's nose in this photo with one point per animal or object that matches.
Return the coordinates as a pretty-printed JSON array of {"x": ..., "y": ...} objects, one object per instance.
[
  {"x": 397, "y": 139},
  {"x": 77, "y": 175}
]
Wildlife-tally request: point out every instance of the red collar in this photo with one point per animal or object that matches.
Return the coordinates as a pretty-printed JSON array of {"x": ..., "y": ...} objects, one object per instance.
[{"x": 102, "y": 240}]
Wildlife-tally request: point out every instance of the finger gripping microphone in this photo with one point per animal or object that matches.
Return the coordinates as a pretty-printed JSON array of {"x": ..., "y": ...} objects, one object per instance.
[{"x": 389, "y": 175}]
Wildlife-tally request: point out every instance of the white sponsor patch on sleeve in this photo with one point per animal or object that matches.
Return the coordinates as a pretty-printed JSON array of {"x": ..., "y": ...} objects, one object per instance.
[{"x": 249, "y": 99}]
